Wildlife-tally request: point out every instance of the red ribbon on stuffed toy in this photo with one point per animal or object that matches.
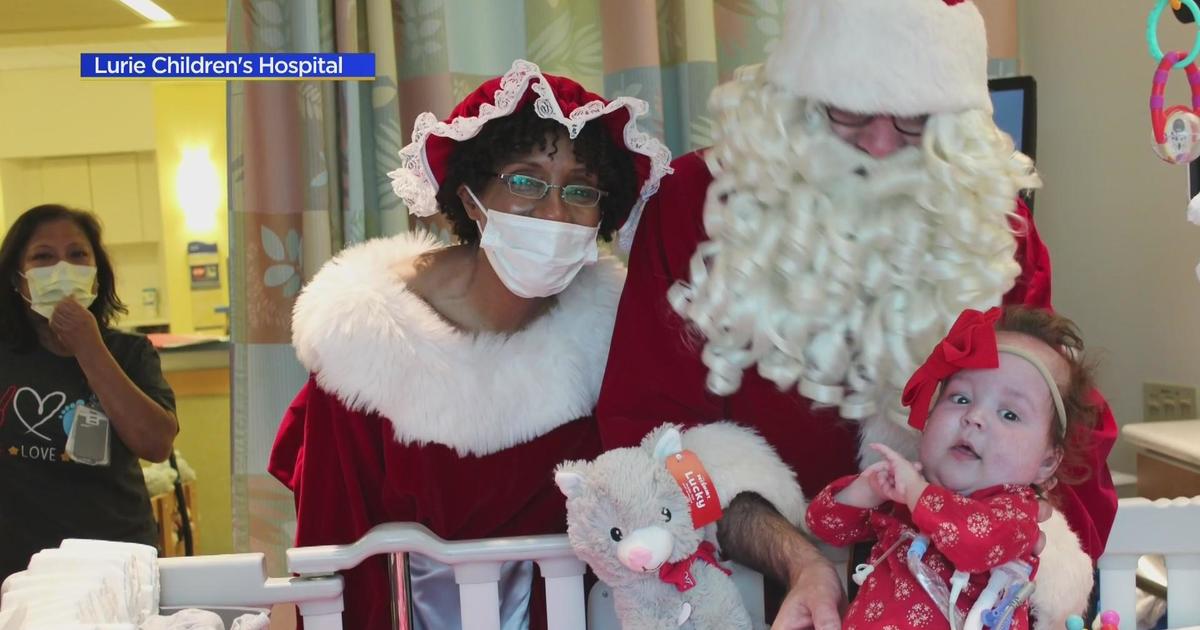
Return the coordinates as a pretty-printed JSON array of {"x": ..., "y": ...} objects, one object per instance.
[
  {"x": 680, "y": 573},
  {"x": 970, "y": 345}
]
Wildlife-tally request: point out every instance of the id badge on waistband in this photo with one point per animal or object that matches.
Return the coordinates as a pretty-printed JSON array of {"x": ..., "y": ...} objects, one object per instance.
[{"x": 88, "y": 442}]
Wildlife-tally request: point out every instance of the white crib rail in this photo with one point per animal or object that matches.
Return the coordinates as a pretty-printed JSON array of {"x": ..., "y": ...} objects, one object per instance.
[
  {"x": 1166, "y": 526},
  {"x": 240, "y": 580},
  {"x": 476, "y": 568}
]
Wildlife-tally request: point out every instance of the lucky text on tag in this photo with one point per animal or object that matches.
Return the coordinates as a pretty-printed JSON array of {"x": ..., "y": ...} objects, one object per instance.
[{"x": 697, "y": 486}]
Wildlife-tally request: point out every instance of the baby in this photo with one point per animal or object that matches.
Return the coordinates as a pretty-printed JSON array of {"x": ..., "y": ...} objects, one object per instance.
[{"x": 1012, "y": 405}]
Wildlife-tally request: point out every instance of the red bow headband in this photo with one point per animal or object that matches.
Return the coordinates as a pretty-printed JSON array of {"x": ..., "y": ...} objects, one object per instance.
[{"x": 970, "y": 345}]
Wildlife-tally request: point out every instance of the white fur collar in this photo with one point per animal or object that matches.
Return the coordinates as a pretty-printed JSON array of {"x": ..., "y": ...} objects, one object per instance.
[{"x": 380, "y": 348}]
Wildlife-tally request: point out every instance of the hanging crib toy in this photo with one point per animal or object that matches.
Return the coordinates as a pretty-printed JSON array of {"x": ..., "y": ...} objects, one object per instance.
[{"x": 1177, "y": 128}]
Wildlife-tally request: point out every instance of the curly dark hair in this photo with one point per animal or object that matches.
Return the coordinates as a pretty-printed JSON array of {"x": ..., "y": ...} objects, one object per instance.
[
  {"x": 16, "y": 331},
  {"x": 476, "y": 160},
  {"x": 1079, "y": 395}
]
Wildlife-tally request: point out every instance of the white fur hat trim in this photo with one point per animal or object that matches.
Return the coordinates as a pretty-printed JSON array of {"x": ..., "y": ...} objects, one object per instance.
[{"x": 901, "y": 57}]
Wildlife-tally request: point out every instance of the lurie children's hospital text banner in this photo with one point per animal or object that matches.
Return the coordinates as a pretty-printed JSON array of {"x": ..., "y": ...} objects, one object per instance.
[{"x": 228, "y": 66}]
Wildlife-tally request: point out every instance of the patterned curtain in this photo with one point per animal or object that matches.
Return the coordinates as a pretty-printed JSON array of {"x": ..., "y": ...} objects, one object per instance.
[
  {"x": 307, "y": 176},
  {"x": 308, "y": 160}
]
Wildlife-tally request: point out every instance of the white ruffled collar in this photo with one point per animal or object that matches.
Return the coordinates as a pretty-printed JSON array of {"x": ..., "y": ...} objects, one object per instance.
[{"x": 379, "y": 348}]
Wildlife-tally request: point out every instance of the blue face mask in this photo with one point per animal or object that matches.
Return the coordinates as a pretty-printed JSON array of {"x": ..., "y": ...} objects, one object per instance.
[{"x": 50, "y": 285}]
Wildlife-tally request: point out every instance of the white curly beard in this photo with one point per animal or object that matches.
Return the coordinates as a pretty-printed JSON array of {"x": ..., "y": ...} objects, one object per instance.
[{"x": 836, "y": 273}]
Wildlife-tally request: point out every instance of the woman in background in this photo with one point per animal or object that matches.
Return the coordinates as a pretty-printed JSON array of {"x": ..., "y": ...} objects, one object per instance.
[{"x": 80, "y": 402}]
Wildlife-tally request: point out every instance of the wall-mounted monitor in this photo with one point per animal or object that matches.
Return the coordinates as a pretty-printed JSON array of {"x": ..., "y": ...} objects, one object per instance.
[
  {"x": 1014, "y": 101},
  {"x": 1014, "y": 104}
]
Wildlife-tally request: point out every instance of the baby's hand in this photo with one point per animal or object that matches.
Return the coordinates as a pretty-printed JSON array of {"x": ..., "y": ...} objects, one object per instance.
[
  {"x": 882, "y": 481},
  {"x": 863, "y": 492},
  {"x": 903, "y": 481}
]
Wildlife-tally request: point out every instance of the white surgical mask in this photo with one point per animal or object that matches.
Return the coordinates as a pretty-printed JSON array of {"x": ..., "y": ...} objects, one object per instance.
[
  {"x": 535, "y": 257},
  {"x": 50, "y": 285}
]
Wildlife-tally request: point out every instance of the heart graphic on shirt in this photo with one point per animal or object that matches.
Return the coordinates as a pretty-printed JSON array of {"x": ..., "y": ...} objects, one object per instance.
[{"x": 45, "y": 408}]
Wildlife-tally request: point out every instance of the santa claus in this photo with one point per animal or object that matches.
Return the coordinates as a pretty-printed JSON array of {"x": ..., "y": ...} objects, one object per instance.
[{"x": 858, "y": 196}]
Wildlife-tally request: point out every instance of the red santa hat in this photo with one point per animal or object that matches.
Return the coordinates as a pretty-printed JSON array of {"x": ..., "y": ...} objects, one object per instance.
[
  {"x": 424, "y": 160},
  {"x": 901, "y": 57}
]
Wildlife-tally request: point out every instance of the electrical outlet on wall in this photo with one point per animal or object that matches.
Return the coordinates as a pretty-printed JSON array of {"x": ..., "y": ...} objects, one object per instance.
[{"x": 1161, "y": 401}]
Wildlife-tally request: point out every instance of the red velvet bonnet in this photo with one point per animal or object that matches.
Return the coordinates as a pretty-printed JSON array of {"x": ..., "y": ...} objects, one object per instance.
[{"x": 425, "y": 159}]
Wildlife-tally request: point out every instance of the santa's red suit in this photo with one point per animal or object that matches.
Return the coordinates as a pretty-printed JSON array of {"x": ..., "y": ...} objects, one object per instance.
[
  {"x": 406, "y": 418},
  {"x": 655, "y": 373}
]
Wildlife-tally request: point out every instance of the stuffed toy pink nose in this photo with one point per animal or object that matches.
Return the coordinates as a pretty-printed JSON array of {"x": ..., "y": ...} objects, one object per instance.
[
  {"x": 645, "y": 549},
  {"x": 639, "y": 558}
]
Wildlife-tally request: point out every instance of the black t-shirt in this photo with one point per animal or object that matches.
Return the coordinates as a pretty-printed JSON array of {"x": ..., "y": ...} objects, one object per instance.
[{"x": 44, "y": 495}]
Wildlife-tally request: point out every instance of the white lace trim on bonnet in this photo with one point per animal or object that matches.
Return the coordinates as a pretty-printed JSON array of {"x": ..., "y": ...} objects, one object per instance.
[{"x": 414, "y": 181}]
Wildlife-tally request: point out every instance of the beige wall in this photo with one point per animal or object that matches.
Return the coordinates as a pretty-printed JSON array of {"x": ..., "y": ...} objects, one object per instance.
[
  {"x": 1111, "y": 212},
  {"x": 190, "y": 116},
  {"x": 62, "y": 114},
  {"x": 1000, "y": 16}
]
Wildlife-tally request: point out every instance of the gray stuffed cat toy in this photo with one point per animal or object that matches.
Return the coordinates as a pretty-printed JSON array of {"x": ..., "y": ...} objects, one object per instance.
[{"x": 630, "y": 520}]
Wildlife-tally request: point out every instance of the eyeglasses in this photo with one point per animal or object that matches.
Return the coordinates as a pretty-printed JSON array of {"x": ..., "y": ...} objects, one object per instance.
[
  {"x": 908, "y": 125},
  {"x": 534, "y": 188}
]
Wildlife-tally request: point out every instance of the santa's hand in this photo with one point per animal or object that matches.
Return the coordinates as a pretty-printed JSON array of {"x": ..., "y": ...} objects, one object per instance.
[
  {"x": 1045, "y": 511},
  {"x": 906, "y": 481},
  {"x": 813, "y": 599}
]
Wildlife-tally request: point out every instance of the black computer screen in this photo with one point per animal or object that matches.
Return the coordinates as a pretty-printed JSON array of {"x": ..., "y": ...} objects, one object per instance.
[
  {"x": 1014, "y": 105},
  {"x": 1014, "y": 101}
]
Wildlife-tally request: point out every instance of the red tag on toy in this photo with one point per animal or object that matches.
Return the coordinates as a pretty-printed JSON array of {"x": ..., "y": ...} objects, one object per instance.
[{"x": 697, "y": 486}]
